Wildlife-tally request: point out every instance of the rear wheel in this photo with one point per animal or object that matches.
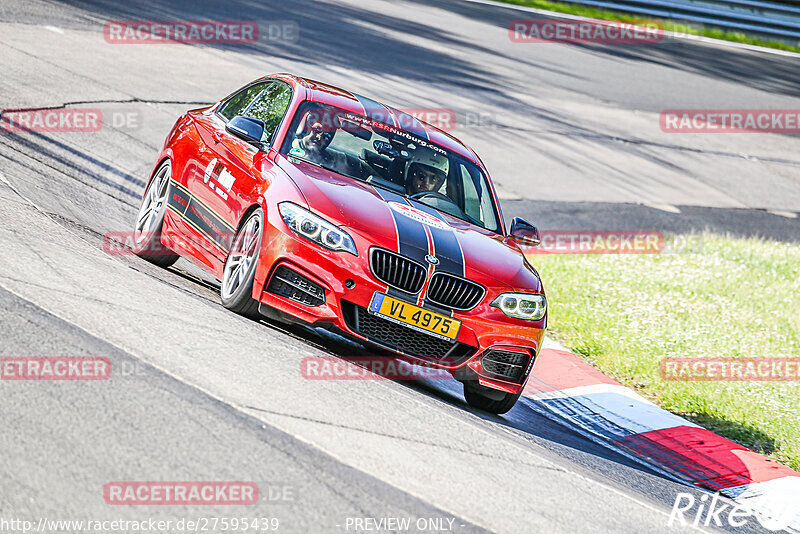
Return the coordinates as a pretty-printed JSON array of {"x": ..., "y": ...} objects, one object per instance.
[
  {"x": 488, "y": 399},
  {"x": 150, "y": 220},
  {"x": 236, "y": 291}
]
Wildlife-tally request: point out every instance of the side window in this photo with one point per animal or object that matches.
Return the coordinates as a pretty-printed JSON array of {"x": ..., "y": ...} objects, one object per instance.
[
  {"x": 477, "y": 198},
  {"x": 241, "y": 100},
  {"x": 270, "y": 107},
  {"x": 472, "y": 204}
]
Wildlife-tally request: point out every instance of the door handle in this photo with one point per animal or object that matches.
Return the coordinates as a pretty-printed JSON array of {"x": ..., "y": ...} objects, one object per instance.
[{"x": 216, "y": 136}]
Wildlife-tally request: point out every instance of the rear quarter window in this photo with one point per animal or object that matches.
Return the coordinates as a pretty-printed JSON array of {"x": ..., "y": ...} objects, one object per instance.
[
  {"x": 241, "y": 100},
  {"x": 270, "y": 107}
]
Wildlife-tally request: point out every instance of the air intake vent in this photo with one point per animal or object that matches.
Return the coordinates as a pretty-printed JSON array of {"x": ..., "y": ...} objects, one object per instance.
[
  {"x": 293, "y": 285},
  {"x": 506, "y": 364},
  {"x": 454, "y": 292},
  {"x": 397, "y": 271},
  {"x": 403, "y": 339}
]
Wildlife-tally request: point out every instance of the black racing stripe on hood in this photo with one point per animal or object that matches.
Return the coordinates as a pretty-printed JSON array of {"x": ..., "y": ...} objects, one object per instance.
[
  {"x": 445, "y": 243},
  {"x": 411, "y": 236}
]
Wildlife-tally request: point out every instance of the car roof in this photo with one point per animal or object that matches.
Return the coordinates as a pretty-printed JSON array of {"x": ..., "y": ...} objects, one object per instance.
[{"x": 354, "y": 103}]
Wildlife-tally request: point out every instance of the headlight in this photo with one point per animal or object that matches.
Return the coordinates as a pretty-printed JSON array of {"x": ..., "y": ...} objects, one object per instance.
[
  {"x": 522, "y": 305},
  {"x": 315, "y": 228}
]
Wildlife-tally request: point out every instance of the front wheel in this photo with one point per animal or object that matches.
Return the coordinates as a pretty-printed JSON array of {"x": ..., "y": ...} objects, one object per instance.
[
  {"x": 150, "y": 220},
  {"x": 489, "y": 400},
  {"x": 236, "y": 291}
]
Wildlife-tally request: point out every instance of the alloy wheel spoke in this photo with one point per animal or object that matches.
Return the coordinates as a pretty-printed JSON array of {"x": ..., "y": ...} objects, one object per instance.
[
  {"x": 253, "y": 238},
  {"x": 163, "y": 186},
  {"x": 144, "y": 215},
  {"x": 151, "y": 220},
  {"x": 152, "y": 202},
  {"x": 154, "y": 193},
  {"x": 239, "y": 276},
  {"x": 248, "y": 235},
  {"x": 232, "y": 279},
  {"x": 251, "y": 248},
  {"x": 242, "y": 256}
]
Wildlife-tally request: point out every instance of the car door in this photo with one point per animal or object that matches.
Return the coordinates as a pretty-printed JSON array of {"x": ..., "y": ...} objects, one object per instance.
[{"x": 230, "y": 181}]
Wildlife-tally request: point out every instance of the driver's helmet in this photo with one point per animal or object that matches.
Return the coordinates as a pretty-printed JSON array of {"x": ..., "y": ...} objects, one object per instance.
[{"x": 427, "y": 159}]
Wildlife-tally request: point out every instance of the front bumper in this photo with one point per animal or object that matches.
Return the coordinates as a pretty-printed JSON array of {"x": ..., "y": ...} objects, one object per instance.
[{"x": 348, "y": 287}]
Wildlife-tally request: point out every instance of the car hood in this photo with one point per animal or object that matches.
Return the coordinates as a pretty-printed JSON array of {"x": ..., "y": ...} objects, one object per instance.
[{"x": 389, "y": 220}]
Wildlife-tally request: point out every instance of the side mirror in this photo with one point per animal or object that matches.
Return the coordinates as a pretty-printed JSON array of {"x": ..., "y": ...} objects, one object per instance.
[
  {"x": 524, "y": 233},
  {"x": 251, "y": 130}
]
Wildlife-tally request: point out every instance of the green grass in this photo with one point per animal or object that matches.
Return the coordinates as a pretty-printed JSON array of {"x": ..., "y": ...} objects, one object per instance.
[
  {"x": 669, "y": 25},
  {"x": 729, "y": 297}
]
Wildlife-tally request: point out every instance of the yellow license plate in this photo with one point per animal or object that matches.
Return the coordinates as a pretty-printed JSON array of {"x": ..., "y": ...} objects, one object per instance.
[{"x": 415, "y": 317}]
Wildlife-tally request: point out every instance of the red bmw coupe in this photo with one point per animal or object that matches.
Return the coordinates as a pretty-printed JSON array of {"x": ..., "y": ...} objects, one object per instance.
[{"x": 316, "y": 205}]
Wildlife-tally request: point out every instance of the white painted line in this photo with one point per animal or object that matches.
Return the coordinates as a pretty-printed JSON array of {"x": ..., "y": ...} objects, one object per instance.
[
  {"x": 589, "y": 390},
  {"x": 674, "y": 35},
  {"x": 552, "y": 344},
  {"x": 23, "y": 197},
  {"x": 669, "y": 208},
  {"x": 54, "y": 29},
  {"x": 611, "y": 411},
  {"x": 600, "y": 440},
  {"x": 782, "y": 213}
]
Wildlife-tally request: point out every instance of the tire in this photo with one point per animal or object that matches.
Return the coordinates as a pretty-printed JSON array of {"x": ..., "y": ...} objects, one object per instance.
[
  {"x": 150, "y": 220},
  {"x": 489, "y": 400},
  {"x": 236, "y": 289}
]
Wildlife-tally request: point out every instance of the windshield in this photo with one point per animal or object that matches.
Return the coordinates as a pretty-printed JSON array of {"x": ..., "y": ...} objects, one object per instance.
[{"x": 391, "y": 158}]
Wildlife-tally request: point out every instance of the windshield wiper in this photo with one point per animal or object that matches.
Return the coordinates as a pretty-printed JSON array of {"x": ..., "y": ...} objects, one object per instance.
[{"x": 465, "y": 217}]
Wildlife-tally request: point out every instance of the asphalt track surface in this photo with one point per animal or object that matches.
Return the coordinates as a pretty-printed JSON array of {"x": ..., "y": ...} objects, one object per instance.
[{"x": 570, "y": 135}]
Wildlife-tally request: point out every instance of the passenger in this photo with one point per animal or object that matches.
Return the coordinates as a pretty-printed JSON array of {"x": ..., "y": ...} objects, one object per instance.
[{"x": 313, "y": 143}]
